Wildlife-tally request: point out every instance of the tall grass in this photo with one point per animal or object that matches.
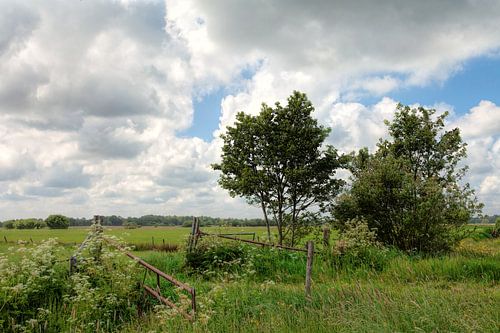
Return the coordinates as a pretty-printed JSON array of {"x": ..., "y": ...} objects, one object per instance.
[{"x": 384, "y": 291}]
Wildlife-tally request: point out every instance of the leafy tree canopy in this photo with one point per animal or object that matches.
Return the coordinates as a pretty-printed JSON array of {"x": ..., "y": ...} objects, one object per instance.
[
  {"x": 57, "y": 222},
  {"x": 278, "y": 161},
  {"x": 409, "y": 191}
]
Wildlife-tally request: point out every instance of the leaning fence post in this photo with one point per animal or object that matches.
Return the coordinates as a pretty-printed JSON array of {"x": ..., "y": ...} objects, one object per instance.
[
  {"x": 5, "y": 238},
  {"x": 193, "y": 302},
  {"x": 310, "y": 257}
]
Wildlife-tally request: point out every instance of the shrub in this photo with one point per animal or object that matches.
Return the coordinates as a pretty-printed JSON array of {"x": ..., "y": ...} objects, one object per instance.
[
  {"x": 358, "y": 247},
  {"x": 131, "y": 225},
  {"x": 411, "y": 189},
  {"x": 213, "y": 255},
  {"x": 29, "y": 286},
  {"x": 57, "y": 222},
  {"x": 8, "y": 224},
  {"x": 104, "y": 290},
  {"x": 29, "y": 224},
  {"x": 496, "y": 229},
  {"x": 36, "y": 294}
]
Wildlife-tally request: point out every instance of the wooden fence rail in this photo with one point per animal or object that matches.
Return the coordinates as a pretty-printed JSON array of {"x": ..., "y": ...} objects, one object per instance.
[
  {"x": 201, "y": 233},
  {"x": 156, "y": 293}
]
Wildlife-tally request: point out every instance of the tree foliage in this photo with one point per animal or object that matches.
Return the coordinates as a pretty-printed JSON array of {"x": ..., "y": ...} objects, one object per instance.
[
  {"x": 276, "y": 160},
  {"x": 57, "y": 222},
  {"x": 409, "y": 191}
]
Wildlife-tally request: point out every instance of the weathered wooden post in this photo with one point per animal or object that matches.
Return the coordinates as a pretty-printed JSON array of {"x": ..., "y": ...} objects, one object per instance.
[
  {"x": 98, "y": 221},
  {"x": 192, "y": 235},
  {"x": 196, "y": 232},
  {"x": 310, "y": 257},
  {"x": 326, "y": 237},
  {"x": 5, "y": 238},
  {"x": 72, "y": 264}
]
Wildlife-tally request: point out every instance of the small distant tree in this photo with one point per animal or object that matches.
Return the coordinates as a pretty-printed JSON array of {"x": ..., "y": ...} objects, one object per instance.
[
  {"x": 29, "y": 224},
  {"x": 278, "y": 161},
  {"x": 409, "y": 191},
  {"x": 57, "y": 222}
]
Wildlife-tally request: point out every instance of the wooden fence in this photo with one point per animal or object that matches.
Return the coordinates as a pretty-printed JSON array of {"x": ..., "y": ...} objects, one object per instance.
[{"x": 155, "y": 292}]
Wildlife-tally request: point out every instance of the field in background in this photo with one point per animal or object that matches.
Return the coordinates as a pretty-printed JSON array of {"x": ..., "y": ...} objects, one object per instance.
[{"x": 73, "y": 235}]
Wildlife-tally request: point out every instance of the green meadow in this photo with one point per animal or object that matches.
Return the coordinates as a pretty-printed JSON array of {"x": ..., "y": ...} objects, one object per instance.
[
  {"x": 389, "y": 291},
  {"x": 172, "y": 235}
]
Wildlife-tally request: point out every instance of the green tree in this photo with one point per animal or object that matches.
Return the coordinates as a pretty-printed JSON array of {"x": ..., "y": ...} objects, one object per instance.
[
  {"x": 10, "y": 224},
  {"x": 57, "y": 222},
  {"x": 276, "y": 160},
  {"x": 409, "y": 191}
]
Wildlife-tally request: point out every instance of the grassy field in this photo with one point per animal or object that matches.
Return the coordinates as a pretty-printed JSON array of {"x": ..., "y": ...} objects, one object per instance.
[
  {"x": 173, "y": 235},
  {"x": 457, "y": 292}
]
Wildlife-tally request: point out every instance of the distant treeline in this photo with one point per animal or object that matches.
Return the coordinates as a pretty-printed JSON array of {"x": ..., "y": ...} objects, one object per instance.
[
  {"x": 173, "y": 220},
  {"x": 485, "y": 219},
  {"x": 158, "y": 220}
]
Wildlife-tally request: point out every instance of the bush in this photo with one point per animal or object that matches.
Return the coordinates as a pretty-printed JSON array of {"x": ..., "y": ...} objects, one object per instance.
[
  {"x": 57, "y": 222},
  {"x": 29, "y": 224},
  {"x": 105, "y": 289},
  {"x": 36, "y": 294},
  {"x": 411, "y": 189},
  {"x": 131, "y": 225},
  {"x": 358, "y": 247},
  {"x": 496, "y": 229},
  {"x": 213, "y": 255},
  {"x": 28, "y": 287},
  {"x": 8, "y": 224}
]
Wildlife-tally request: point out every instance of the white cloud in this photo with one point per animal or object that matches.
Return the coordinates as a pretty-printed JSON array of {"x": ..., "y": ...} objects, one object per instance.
[
  {"x": 483, "y": 120},
  {"x": 93, "y": 92}
]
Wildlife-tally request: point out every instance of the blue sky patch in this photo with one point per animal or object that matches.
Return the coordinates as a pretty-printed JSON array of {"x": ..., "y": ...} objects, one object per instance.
[{"x": 478, "y": 80}]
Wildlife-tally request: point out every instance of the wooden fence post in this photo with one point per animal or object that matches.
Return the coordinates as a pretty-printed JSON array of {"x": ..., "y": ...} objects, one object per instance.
[
  {"x": 326, "y": 236},
  {"x": 72, "y": 265},
  {"x": 310, "y": 257},
  {"x": 5, "y": 238},
  {"x": 196, "y": 234},
  {"x": 192, "y": 236}
]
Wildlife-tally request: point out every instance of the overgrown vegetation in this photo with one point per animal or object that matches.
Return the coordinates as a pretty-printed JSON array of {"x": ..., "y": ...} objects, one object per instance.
[
  {"x": 57, "y": 221},
  {"x": 358, "y": 286},
  {"x": 38, "y": 295},
  {"x": 409, "y": 190},
  {"x": 24, "y": 224}
]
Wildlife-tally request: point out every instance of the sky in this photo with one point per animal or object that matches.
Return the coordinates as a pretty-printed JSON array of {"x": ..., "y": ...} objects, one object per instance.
[{"x": 116, "y": 107}]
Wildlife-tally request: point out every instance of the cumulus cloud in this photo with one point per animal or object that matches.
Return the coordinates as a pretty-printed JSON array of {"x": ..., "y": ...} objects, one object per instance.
[{"x": 94, "y": 93}]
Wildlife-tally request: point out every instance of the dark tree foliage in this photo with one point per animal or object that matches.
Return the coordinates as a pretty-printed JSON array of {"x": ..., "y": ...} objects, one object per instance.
[
  {"x": 277, "y": 161},
  {"x": 409, "y": 191},
  {"x": 57, "y": 222},
  {"x": 172, "y": 220}
]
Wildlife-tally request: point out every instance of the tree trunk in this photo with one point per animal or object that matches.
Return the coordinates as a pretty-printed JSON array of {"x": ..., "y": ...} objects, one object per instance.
[
  {"x": 280, "y": 228},
  {"x": 266, "y": 219}
]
